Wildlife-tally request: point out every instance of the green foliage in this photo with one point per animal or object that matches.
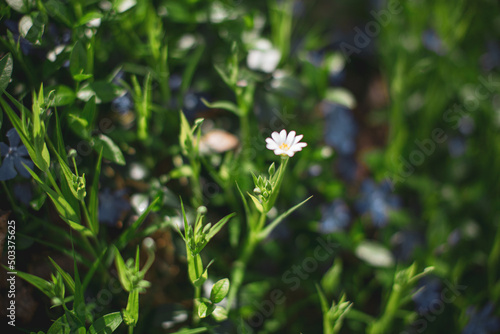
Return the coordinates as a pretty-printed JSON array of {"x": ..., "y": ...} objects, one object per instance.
[{"x": 125, "y": 106}]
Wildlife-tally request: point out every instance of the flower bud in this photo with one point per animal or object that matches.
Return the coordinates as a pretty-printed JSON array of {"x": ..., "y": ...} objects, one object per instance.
[{"x": 202, "y": 210}]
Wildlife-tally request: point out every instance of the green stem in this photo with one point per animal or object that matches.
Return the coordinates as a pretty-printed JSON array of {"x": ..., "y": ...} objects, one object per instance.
[
  {"x": 195, "y": 182},
  {"x": 239, "y": 268},
  {"x": 11, "y": 199},
  {"x": 383, "y": 325},
  {"x": 245, "y": 134}
]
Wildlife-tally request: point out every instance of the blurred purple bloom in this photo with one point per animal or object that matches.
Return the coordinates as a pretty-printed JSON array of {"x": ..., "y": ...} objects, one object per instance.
[
  {"x": 60, "y": 37},
  {"x": 454, "y": 237},
  {"x": 405, "y": 242},
  {"x": 316, "y": 58},
  {"x": 427, "y": 293},
  {"x": 175, "y": 82},
  {"x": 491, "y": 58},
  {"x": 299, "y": 8},
  {"x": 433, "y": 42},
  {"x": 482, "y": 322},
  {"x": 22, "y": 192},
  {"x": 457, "y": 146},
  {"x": 377, "y": 200},
  {"x": 466, "y": 125},
  {"x": 347, "y": 166},
  {"x": 120, "y": 76},
  {"x": 193, "y": 104},
  {"x": 335, "y": 217},
  {"x": 112, "y": 206},
  {"x": 122, "y": 104},
  {"x": 13, "y": 157},
  {"x": 336, "y": 77},
  {"x": 340, "y": 127},
  {"x": 26, "y": 46}
]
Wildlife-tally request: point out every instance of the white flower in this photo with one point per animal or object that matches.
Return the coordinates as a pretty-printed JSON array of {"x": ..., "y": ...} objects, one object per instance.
[
  {"x": 283, "y": 145},
  {"x": 263, "y": 57}
]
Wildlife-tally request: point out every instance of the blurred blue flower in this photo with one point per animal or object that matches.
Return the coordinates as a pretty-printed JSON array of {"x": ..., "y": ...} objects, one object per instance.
[
  {"x": 192, "y": 104},
  {"x": 347, "y": 167},
  {"x": 336, "y": 78},
  {"x": 427, "y": 292},
  {"x": 405, "y": 242},
  {"x": 22, "y": 192},
  {"x": 482, "y": 322},
  {"x": 13, "y": 157},
  {"x": 175, "y": 82},
  {"x": 491, "y": 58},
  {"x": 60, "y": 37},
  {"x": 457, "y": 146},
  {"x": 335, "y": 217},
  {"x": 454, "y": 237},
  {"x": 466, "y": 125},
  {"x": 112, "y": 206},
  {"x": 299, "y": 8},
  {"x": 340, "y": 127},
  {"x": 122, "y": 104},
  {"x": 120, "y": 76},
  {"x": 433, "y": 42},
  {"x": 377, "y": 200},
  {"x": 25, "y": 45},
  {"x": 316, "y": 58}
]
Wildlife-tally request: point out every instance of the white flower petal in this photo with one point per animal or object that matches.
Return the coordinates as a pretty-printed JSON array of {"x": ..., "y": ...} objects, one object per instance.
[
  {"x": 271, "y": 144},
  {"x": 297, "y": 139},
  {"x": 290, "y": 138},
  {"x": 276, "y": 137},
  {"x": 282, "y": 136}
]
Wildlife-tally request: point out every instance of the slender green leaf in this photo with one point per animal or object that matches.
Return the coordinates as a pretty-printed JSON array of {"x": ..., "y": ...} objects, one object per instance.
[
  {"x": 44, "y": 286},
  {"x": 217, "y": 227},
  {"x": 94, "y": 197},
  {"x": 256, "y": 202},
  {"x": 129, "y": 233},
  {"x": 122, "y": 271},
  {"x": 226, "y": 105},
  {"x": 67, "y": 278},
  {"x": 65, "y": 210},
  {"x": 192, "y": 63},
  {"x": 265, "y": 232},
  {"x": 79, "y": 303}
]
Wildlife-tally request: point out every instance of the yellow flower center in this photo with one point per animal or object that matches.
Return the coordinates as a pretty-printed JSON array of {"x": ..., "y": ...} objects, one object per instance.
[{"x": 284, "y": 147}]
